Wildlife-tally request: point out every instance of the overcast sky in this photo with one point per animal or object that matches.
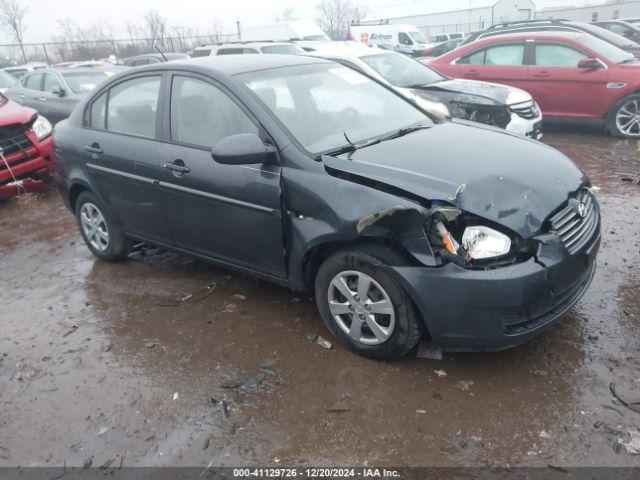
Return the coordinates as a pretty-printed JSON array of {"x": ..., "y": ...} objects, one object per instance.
[{"x": 199, "y": 14}]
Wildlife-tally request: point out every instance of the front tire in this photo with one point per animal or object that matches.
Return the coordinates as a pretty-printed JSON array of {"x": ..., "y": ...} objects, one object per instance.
[
  {"x": 364, "y": 308},
  {"x": 99, "y": 230},
  {"x": 624, "y": 119}
]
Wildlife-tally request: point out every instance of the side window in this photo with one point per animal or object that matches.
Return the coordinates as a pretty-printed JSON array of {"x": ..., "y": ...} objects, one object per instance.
[
  {"x": 229, "y": 51},
  {"x": 476, "y": 58},
  {"x": 98, "y": 115},
  {"x": 51, "y": 82},
  {"x": 201, "y": 114},
  {"x": 133, "y": 105},
  {"x": 505, "y": 55},
  {"x": 249, "y": 50},
  {"x": 404, "y": 39},
  {"x": 203, "y": 52},
  {"x": 558, "y": 56},
  {"x": 33, "y": 81},
  {"x": 619, "y": 29}
]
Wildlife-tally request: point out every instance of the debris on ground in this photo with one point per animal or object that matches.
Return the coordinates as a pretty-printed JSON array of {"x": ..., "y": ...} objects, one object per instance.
[
  {"x": 421, "y": 412},
  {"x": 103, "y": 430},
  {"x": 87, "y": 463},
  {"x": 320, "y": 341},
  {"x": 440, "y": 373},
  {"x": 633, "y": 445},
  {"x": 633, "y": 405},
  {"x": 176, "y": 396},
  {"x": 195, "y": 297},
  {"x": 150, "y": 344},
  {"x": 26, "y": 372},
  {"x": 106, "y": 464},
  {"x": 464, "y": 385},
  {"x": 70, "y": 325},
  {"x": 239, "y": 296},
  {"x": 429, "y": 351},
  {"x": 205, "y": 445},
  {"x": 544, "y": 434}
]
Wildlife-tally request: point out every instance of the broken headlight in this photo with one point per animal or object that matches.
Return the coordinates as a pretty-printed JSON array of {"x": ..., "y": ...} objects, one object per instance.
[
  {"x": 483, "y": 242},
  {"x": 473, "y": 242},
  {"x": 42, "y": 127}
]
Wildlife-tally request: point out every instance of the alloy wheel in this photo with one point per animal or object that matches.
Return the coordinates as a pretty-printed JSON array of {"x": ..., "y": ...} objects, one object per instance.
[
  {"x": 628, "y": 118},
  {"x": 361, "y": 307},
  {"x": 94, "y": 226}
]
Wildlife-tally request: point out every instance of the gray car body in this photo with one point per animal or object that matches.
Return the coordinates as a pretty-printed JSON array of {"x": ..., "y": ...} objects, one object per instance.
[
  {"x": 53, "y": 106},
  {"x": 279, "y": 220}
]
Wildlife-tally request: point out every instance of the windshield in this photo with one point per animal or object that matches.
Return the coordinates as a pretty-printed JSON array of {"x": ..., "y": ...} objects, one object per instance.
[
  {"x": 320, "y": 104},
  {"x": 6, "y": 80},
  {"x": 418, "y": 37},
  {"x": 606, "y": 50},
  {"x": 84, "y": 82},
  {"x": 402, "y": 71},
  {"x": 608, "y": 36},
  {"x": 283, "y": 49},
  {"x": 316, "y": 38}
]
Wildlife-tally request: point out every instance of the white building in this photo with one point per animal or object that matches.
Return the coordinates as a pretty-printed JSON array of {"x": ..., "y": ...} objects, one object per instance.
[
  {"x": 452, "y": 16},
  {"x": 612, "y": 10}
]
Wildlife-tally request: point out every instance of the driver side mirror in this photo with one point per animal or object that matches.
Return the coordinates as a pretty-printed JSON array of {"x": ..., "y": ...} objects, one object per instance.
[
  {"x": 58, "y": 91},
  {"x": 242, "y": 149},
  {"x": 590, "y": 64}
]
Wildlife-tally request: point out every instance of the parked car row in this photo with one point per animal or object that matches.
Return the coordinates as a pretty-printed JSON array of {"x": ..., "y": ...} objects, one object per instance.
[{"x": 310, "y": 174}]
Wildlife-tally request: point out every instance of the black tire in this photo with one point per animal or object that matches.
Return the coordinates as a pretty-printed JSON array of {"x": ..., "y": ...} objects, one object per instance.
[
  {"x": 117, "y": 247},
  {"x": 369, "y": 259},
  {"x": 612, "y": 126}
]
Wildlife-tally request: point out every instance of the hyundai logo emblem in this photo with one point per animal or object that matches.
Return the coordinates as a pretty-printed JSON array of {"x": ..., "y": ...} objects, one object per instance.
[{"x": 582, "y": 210}]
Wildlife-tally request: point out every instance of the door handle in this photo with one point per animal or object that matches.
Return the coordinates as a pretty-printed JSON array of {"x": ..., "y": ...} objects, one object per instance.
[
  {"x": 541, "y": 74},
  {"x": 42, "y": 99},
  {"x": 177, "y": 167},
  {"x": 472, "y": 73},
  {"x": 21, "y": 95},
  {"x": 93, "y": 148}
]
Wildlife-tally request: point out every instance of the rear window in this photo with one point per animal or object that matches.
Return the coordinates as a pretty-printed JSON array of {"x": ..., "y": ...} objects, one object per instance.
[
  {"x": 6, "y": 80},
  {"x": 201, "y": 52},
  {"x": 605, "y": 49},
  {"x": 84, "y": 82},
  {"x": 282, "y": 49}
]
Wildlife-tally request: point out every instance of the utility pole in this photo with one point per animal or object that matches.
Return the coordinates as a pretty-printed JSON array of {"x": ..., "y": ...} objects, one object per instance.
[{"x": 238, "y": 30}]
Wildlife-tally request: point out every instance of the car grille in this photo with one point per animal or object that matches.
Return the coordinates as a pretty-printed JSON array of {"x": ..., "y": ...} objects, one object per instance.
[
  {"x": 576, "y": 222},
  {"x": 13, "y": 140},
  {"x": 527, "y": 110}
]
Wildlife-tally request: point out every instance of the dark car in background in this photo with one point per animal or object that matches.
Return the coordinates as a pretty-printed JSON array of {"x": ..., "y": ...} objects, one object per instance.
[
  {"x": 25, "y": 149},
  {"x": 151, "y": 58},
  {"x": 442, "y": 48},
  {"x": 55, "y": 92},
  {"x": 626, "y": 29},
  {"x": 526, "y": 26},
  {"x": 306, "y": 173}
]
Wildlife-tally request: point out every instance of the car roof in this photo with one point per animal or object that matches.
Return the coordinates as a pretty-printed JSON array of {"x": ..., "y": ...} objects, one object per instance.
[
  {"x": 242, "y": 45},
  {"x": 237, "y": 64},
  {"x": 348, "y": 49},
  {"x": 546, "y": 35},
  {"x": 63, "y": 70}
]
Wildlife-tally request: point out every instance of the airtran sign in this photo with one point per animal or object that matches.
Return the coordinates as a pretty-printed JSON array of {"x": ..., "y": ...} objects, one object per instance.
[{"x": 380, "y": 36}]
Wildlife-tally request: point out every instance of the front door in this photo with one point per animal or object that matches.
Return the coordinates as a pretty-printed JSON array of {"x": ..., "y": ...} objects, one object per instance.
[
  {"x": 561, "y": 88},
  {"x": 122, "y": 155},
  {"x": 227, "y": 212}
]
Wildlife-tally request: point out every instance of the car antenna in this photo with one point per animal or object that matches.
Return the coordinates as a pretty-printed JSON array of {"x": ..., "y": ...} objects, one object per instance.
[{"x": 160, "y": 52}]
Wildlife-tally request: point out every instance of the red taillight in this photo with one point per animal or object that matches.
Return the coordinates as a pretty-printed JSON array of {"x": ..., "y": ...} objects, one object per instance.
[{"x": 427, "y": 51}]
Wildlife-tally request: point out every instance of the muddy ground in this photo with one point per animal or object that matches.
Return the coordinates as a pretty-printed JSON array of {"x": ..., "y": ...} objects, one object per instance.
[{"x": 95, "y": 363}]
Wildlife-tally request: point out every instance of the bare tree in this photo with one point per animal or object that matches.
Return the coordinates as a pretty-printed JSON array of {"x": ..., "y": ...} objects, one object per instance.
[
  {"x": 335, "y": 16},
  {"x": 287, "y": 14},
  {"x": 155, "y": 28},
  {"x": 12, "y": 19}
]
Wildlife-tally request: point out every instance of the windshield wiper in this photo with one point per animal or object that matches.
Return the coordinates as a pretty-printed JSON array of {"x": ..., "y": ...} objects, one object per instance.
[
  {"x": 403, "y": 131},
  {"x": 352, "y": 147}
]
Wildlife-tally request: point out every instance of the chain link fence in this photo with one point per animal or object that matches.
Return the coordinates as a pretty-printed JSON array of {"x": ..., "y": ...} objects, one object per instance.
[{"x": 71, "y": 51}]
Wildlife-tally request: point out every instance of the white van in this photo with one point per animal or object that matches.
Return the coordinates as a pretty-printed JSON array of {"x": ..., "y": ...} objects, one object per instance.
[
  {"x": 302, "y": 33},
  {"x": 403, "y": 38}
]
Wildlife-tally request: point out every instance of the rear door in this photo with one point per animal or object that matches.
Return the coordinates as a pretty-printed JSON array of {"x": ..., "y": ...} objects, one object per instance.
[
  {"x": 122, "y": 146},
  {"x": 52, "y": 105},
  {"x": 500, "y": 63},
  {"x": 31, "y": 89},
  {"x": 227, "y": 212},
  {"x": 560, "y": 87}
]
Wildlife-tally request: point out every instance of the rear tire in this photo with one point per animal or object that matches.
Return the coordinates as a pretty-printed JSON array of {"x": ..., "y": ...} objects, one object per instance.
[
  {"x": 624, "y": 118},
  {"x": 351, "y": 286},
  {"x": 99, "y": 230}
]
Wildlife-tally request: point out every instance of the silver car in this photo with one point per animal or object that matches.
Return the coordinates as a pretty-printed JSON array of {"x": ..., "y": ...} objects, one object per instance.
[{"x": 55, "y": 92}]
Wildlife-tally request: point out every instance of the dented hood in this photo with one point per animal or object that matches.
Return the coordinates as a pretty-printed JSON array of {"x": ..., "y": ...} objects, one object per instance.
[
  {"x": 473, "y": 91},
  {"x": 12, "y": 113},
  {"x": 499, "y": 176}
]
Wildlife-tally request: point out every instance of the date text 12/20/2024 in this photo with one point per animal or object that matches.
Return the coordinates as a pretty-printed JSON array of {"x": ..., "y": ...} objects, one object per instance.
[{"x": 315, "y": 473}]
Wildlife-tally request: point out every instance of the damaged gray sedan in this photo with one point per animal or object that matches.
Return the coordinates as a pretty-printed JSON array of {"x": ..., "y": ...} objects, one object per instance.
[{"x": 306, "y": 173}]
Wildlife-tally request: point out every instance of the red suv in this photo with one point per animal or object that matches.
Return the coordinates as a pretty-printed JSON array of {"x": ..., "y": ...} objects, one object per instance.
[
  {"x": 572, "y": 76},
  {"x": 25, "y": 149}
]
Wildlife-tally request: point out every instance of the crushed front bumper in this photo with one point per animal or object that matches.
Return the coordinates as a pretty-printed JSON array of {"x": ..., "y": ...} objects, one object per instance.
[
  {"x": 485, "y": 310},
  {"x": 29, "y": 167}
]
